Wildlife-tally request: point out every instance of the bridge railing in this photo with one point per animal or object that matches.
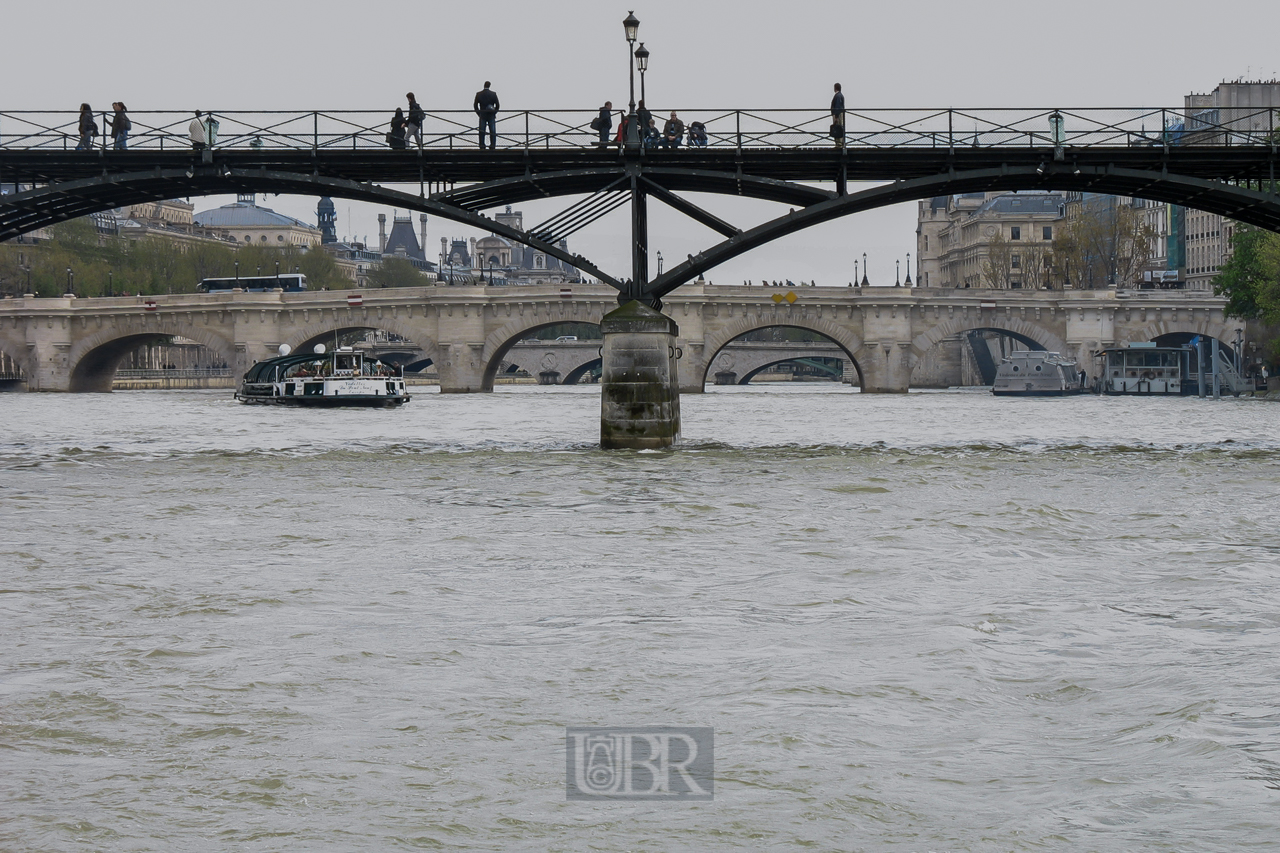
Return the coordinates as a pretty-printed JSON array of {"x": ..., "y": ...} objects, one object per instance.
[{"x": 771, "y": 129}]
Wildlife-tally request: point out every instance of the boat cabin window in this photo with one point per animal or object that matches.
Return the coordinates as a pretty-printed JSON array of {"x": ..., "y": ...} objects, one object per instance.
[{"x": 346, "y": 361}]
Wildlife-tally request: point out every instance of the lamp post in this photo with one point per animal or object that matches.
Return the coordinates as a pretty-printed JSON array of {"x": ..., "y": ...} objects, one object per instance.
[
  {"x": 1058, "y": 132},
  {"x": 659, "y": 263},
  {"x": 71, "y": 285},
  {"x": 631, "y": 26},
  {"x": 277, "y": 273},
  {"x": 642, "y": 61},
  {"x": 111, "y": 289},
  {"x": 237, "y": 272}
]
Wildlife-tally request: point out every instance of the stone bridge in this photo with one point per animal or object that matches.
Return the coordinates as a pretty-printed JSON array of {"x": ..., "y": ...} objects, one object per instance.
[
  {"x": 894, "y": 337},
  {"x": 555, "y": 362}
]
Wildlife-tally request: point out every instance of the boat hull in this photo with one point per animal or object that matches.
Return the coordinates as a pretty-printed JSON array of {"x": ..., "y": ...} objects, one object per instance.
[{"x": 353, "y": 400}]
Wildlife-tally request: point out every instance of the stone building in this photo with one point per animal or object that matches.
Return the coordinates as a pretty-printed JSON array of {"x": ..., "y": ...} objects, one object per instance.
[
  {"x": 986, "y": 239},
  {"x": 517, "y": 263},
  {"x": 1233, "y": 113}
]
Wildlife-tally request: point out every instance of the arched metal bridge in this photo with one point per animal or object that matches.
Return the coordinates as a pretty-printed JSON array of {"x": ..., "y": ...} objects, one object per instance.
[{"x": 780, "y": 156}]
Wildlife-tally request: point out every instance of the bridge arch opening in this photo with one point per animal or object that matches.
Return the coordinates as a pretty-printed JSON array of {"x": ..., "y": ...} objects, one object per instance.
[
  {"x": 95, "y": 368},
  {"x": 562, "y": 352},
  {"x": 808, "y": 354},
  {"x": 970, "y": 356},
  {"x": 12, "y": 375}
]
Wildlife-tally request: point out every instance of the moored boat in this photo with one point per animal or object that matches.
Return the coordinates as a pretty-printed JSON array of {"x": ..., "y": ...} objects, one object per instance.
[
  {"x": 342, "y": 377},
  {"x": 1037, "y": 374}
]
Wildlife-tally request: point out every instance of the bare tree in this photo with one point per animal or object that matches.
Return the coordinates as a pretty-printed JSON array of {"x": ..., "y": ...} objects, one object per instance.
[{"x": 995, "y": 270}]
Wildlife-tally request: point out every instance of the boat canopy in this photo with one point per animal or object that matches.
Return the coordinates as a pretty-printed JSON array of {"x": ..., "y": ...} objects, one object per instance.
[{"x": 265, "y": 371}]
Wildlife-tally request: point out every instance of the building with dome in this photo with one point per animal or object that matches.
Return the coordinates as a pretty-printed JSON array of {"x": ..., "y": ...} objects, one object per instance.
[{"x": 245, "y": 223}]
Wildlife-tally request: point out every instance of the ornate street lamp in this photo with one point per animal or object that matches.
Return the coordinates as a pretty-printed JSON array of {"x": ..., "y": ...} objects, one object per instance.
[
  {"x": 642, "y": 62},
  {"x": 71, "y": 285},
  {"x": 631, "y": 24}
]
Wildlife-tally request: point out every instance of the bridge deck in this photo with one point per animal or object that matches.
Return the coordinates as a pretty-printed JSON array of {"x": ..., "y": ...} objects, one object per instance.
[{"x": 464, "y": 166}]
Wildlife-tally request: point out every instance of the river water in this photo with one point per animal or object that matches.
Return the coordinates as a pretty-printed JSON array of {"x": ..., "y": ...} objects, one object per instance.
[{"x": 939, "y": 621}]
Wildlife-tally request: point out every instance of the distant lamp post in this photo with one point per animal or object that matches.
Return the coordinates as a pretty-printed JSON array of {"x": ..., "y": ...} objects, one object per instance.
[
  {"x": 642, "y": 62},
  {"x": 277, "y": 273},
  {"x": 907, "y": 283},
  {"x": 631, "y": 25},
  {"x": 71, "y": 282},
  {"x": 111, "y": 283},
  {"x": 1058, "y": 133},
  {"x": 659, "y": 263},
  {"x": 866, "y": 282},
  {"x": 897, "y": 273},
  {"x": 237, "y": 272}
]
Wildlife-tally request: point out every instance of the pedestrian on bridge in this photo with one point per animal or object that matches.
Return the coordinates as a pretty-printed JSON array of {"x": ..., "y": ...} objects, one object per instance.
[
  {"x": 603, "y": 123},
  {"x": 396, "y": 137},
  {"x": 196, "y": 130},
  {"x": 120, "y": 126},
  {"x": 415, "y": 119},
  {"x": 837, "y": 117},
  {"x": 486, "y": 107},
  {"x": 88, "y": 128}
]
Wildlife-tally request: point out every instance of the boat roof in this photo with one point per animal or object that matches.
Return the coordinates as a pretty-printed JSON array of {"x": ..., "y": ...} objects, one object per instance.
[{"x": 261, "y": 372}]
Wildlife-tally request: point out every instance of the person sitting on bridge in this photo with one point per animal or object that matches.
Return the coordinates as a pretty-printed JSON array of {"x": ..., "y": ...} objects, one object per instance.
[
  {"x": 486, "y": 106},
  {"x": 644, "y": 116},
  {"x": 652, "y": 136},
  {"x": 698, "y": 135},
  {"x": 396, "y": 137},
  {"x": 673, "y": 132},
  {"x": 195, "y": 130},
  {"x": 88, "y": 128}
]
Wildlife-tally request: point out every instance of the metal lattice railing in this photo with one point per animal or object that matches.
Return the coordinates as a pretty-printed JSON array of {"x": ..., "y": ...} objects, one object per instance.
[{"x": 771, "y": 129}]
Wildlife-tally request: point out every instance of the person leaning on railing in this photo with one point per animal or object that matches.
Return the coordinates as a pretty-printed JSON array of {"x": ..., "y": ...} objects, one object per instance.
[{"x": 395, "y": 138}]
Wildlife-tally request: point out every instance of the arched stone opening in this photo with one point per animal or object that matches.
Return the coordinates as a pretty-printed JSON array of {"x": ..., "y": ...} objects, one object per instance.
[
  {"x": 95, "y": 360},
  {"x": 589, "y": 370},
  {"x": 557, "y": 359},
  {"x": 730, "y": 365},
  {"x": 950, "y": 353},
  {"x": 13, "y": 374}
]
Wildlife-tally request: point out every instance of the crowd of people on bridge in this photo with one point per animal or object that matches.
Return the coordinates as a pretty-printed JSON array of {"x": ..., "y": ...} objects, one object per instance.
[{"x": 407, "y": 127}]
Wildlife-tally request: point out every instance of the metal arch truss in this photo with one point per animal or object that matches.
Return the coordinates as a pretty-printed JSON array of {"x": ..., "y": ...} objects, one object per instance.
[
  {"x": 59, "y": 202},
  {"x": 1253, "y": 207},
  {"x": 1229, "y": 180}
]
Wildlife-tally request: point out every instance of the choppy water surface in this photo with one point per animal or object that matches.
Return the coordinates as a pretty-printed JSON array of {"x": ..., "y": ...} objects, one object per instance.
[{"x": 933, "y": 622}]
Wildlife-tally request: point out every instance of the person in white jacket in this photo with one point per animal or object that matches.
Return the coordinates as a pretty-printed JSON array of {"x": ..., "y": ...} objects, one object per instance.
[{"x": 196, "y": 130}]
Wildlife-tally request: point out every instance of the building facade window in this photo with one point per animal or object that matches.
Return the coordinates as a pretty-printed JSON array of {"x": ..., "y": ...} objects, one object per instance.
[
  {"x": 1048, "y": 232},
  {"x": 1015, "y": 232},
  {"x": 1016, "y": 261}
]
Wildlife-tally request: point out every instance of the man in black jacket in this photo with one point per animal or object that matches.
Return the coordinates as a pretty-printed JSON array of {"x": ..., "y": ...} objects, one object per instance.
[
  {"x": 414, "y": 120},
  {"x": 486, "y": 106}
]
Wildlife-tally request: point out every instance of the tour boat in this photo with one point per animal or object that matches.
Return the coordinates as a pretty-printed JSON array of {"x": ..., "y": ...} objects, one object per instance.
[
  {"x": 342, "y": 377},
  {"x": 1037, "y": 374}
]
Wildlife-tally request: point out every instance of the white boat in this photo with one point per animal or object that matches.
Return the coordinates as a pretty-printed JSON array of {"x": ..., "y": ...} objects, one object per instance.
[
  {"x": 1037, "y": 374},
  {"x": 343, "y": 377}
]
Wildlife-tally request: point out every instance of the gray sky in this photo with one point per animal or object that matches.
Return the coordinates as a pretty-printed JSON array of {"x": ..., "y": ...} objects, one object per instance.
[{"x": 709, "y": 54}]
